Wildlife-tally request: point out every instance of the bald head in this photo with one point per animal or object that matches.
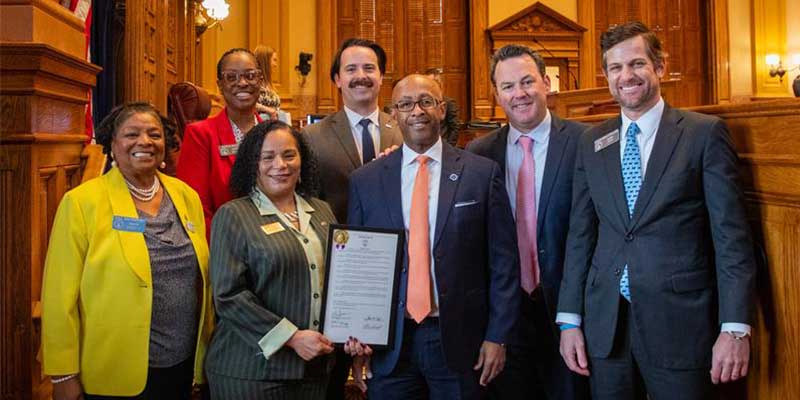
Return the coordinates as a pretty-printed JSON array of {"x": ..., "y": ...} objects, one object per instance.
[
  {"x": 419, "y": 111},
  {"x": 417, "y": 80}
]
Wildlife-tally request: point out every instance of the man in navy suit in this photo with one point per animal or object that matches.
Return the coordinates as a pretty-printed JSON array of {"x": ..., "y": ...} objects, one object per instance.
[
  {"x": 659, "y": 270},
  {"x": 534, "y": 368},
  {"x": 450, "y": 335}
]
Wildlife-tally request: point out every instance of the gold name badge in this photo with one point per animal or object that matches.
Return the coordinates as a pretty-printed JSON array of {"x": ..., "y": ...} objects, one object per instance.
[
  {"x": 228, "y": 150},
  {"x": 271, "y": 228}
]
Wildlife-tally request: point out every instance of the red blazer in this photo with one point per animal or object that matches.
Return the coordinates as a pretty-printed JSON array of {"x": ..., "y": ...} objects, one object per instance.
[{"x": 202, "y": 166}]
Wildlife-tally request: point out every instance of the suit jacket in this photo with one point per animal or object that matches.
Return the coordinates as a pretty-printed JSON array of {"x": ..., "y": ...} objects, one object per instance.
[
  {"x": 97, "y": 291},
  {"x": 555, "y": 199},
  {"x": 337, "y": 154},
  {"x": 474, "y": 249},
  {"x": 257, "y": 281},
  {"x": 203, "y": 167},
  {"x": 687, "y": 246}
]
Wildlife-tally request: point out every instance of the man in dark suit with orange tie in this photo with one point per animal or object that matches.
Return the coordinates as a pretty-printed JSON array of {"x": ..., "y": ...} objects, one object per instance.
[
  {"x": 536, "y": 154},
  {"x": 458, "y": 295},
  {"x": 659, "y": 267}
]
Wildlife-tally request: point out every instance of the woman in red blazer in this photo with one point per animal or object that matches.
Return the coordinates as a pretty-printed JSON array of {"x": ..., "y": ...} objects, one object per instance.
[{"x": 209, "y": 147}]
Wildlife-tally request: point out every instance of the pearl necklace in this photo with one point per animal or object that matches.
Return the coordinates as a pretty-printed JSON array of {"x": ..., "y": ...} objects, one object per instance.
[{"x": 144, "y": 194}]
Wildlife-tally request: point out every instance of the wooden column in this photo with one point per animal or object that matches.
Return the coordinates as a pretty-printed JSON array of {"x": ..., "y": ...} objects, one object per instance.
[{"x": 43, "y": 91}]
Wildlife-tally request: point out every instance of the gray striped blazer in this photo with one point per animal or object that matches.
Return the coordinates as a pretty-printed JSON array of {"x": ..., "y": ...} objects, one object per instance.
[{"x": 257, "y": 280}]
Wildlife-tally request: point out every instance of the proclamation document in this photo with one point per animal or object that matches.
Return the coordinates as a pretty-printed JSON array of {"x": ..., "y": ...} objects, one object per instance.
[{"x": 361, "y": 284}]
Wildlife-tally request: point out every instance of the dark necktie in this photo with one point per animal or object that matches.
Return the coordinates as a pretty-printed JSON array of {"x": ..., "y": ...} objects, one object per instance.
[{"x": 367, "y": 145}]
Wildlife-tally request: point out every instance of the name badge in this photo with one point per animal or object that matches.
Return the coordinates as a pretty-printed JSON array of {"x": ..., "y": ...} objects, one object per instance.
[
  {"x": 606, "y": 140},
  {"x": 228, "y": 149},
  {"x": 274, "y": 227},
  {"x": 127, "y": 224}
]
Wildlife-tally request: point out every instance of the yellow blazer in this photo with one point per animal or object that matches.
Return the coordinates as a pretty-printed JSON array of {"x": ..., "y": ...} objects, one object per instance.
[{"x": 97, "y": 292}]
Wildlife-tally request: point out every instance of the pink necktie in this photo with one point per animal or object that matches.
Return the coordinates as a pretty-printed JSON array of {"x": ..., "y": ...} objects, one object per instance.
[
  {"x": 526, "y": 218},
  {"x": 419, "y": 245}
]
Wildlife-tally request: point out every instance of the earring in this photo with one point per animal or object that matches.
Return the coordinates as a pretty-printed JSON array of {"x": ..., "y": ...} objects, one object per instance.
[
  {"x": 163, "y": 165},
  {"x": 113, "y": 162}
]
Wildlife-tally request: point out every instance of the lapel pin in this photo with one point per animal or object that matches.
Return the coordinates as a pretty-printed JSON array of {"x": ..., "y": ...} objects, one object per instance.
[
  {"x": 388, "y": 125},
  {"x": 453, "y": 177}
]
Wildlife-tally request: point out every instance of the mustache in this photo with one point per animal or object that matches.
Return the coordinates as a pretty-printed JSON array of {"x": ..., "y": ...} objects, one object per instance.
[{"x": 360, "y": 82}]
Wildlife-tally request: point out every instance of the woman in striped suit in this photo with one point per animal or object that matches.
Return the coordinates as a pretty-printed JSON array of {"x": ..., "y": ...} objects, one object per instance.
[{"x": 267, "y": 260}]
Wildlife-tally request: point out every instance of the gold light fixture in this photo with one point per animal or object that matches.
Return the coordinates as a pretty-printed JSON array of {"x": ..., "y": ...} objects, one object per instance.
[{"x": 208, "y": 14}]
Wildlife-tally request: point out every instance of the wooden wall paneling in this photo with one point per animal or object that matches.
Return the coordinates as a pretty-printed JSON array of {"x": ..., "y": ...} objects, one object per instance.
[
  {"x": 681, "y": 26},
  {"x": 269, "y": 24},
  {"x": 719, "y": 52},
  {"x": 42, "y": 97},
  {"x": 482, "y": 91},
  {"x": 456, "y": 47},
  {"x": 327, "y": 44},
  {"x": 590, "y": 45},
  {"x": 159, "y": 49},
  {"x": 415, "y": 34}
]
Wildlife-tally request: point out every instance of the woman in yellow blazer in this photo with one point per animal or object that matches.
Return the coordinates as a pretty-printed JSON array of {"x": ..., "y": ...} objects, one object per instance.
[{"x": 126, "y": 300}]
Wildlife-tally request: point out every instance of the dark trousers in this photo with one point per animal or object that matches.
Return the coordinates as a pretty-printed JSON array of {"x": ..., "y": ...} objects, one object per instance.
[
  {"x": 162, "y": 383},
  {"x": 627, "y": 375},
  {"x": 339, "y": 375},
  {"x": 534, "y": 368},
  {"x": 421, "y": 372}
]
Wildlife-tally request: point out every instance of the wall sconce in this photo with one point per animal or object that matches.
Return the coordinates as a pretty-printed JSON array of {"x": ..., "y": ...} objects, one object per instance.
[
  {"x": 775, "y": 67},
  {"x": 303, "y": 66},
  {"x": 208, "y": 14}
]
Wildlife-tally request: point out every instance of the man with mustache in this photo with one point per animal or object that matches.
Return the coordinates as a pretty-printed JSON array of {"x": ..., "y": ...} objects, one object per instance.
[
  {"x": 458, "y": 295},
  {"x": 659, "y": 269},
  {"x": 350, "y": 138},
  {"x": 536, "y": 153}
]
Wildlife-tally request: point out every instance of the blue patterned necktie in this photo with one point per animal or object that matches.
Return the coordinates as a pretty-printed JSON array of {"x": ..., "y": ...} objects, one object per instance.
[
  {"x": 632, "y": 179},
  {"x": 367, "y": 145}
]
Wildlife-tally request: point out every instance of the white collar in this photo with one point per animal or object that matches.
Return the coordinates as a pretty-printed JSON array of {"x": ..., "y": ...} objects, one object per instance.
[
  {"x": 355, "y": 117},
  {"x": 434, "y": 152},
  {"x": 647, "y": 122}
]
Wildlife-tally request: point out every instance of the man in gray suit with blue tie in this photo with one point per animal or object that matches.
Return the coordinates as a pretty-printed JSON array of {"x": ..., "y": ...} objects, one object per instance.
[
  {"x": 350, "y": 138},
  {"x": 659, "y": 269}
]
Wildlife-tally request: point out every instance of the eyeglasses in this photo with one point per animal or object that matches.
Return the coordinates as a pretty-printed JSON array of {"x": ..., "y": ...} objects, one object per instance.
[
  {"x": 251, "y": 76},
  {"x": 425, "y": 103}
]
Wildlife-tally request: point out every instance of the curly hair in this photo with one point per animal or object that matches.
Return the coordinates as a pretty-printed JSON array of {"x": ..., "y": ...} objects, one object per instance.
[
  {"x": 244, "y": 174},
  {"x": 105, "y": 132}
]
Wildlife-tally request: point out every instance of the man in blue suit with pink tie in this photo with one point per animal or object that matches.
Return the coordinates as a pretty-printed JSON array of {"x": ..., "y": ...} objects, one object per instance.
[{"x": 459, "y": 283}]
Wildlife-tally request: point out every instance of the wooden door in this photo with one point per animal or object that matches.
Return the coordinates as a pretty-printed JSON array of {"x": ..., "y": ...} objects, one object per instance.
[
  {"x": 681, "y": 27},
  {"x": 417, "y": 35}
]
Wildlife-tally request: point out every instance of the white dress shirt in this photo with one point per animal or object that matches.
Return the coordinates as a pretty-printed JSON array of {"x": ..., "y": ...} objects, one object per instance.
[
  {"x": 648, "y": 129},
  {"x": 408, "y": 175},
  {"x": 514, "y": 153},
  {"x": 374, "y": 129}
]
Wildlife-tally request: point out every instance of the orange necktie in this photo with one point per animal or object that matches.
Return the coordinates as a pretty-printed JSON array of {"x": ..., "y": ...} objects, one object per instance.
[{"x": 419, "y": 247}]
